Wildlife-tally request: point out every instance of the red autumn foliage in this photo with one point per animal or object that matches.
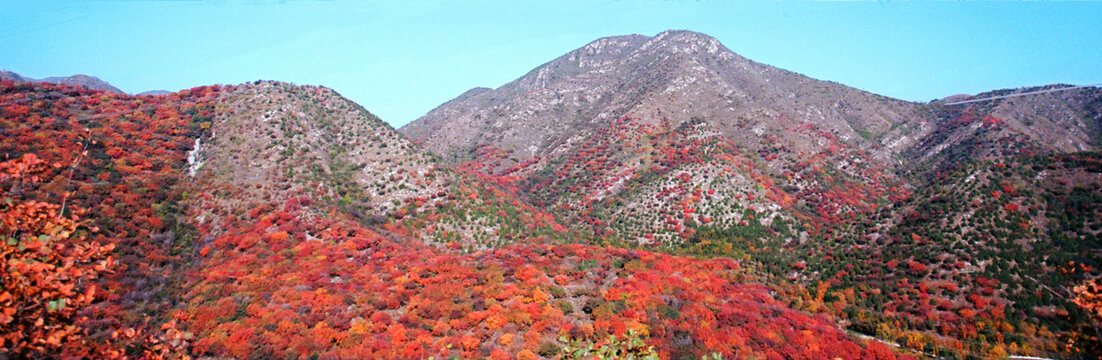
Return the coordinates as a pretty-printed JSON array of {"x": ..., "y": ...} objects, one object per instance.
[
  {"x": 48, "y": 264},
  {"x": 420, "y": 301},
  {"x": 113, "y": 162},
  {"x": 297, "y": 278}
]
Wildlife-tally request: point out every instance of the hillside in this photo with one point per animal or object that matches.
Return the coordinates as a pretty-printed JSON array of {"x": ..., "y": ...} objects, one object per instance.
[
  {"x": 111, "y": 164},
  {"x": 686, "y": 74},
  {"x": 273, "y": 220},
  {"x": 656, "y": 196},
  {"x": 693, "y": 117},
  {"x": 675, "y": 143},
  {"x": 1051, "y": 123},
  {"x": 274, "y": 141},
  {"x": 319, "y": 282}
]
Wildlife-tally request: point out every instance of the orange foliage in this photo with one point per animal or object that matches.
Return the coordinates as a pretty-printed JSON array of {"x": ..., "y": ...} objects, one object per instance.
[{"x": 48, "y": 267}]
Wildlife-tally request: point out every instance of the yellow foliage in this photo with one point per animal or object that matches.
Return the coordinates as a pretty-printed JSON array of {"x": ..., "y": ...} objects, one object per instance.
[
  {"x": 506, "y": 340},
  {"x": 359, "y": 327},
  {"x": 494, "y": 322},
  {"x": 538, "y": 296},
  {"x": 639, "y": 328}
]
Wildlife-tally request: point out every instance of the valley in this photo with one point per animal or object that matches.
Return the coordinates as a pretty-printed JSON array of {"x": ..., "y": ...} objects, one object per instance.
[{"x": 653, "y": 196}]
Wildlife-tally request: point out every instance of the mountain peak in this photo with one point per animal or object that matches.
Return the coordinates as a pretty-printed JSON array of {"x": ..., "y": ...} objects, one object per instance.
[
  {"x": 606, "y": 50},
  {"x": 678, "y": 41},
  {"x": 683, "y": 35},
  {"x": 639, "y": 75},
  {"x": 87, "y": 81},
  {"x": 689, "y": 43}
]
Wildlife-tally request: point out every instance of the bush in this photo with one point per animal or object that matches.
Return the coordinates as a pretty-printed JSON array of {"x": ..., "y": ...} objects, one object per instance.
[{"x": 548, "y": 349}]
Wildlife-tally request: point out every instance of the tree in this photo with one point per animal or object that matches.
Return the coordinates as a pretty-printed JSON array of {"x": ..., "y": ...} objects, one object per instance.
[
  {"x": 1088, "y": 296},
  {"x": 49, "y": 266}
]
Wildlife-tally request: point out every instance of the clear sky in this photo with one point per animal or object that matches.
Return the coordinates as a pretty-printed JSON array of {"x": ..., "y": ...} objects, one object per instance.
[{"x": 400, "y": 59}]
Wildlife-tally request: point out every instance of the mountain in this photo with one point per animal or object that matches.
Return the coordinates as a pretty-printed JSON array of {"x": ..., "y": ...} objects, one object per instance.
[
  {"x": 311, "y": 140},
  {"x": 1046, "y": 123},
  {"x": 688, "y": 74},
  {"x": 8, "y": 75},
  {"x": 650, "y": 95},
  {"x": 335, "y": 209},
  {"x": 90, "y": 82},
  {"x": 883, "y": 209},
  {"x": 655, "y": 196},
  {"x": 273, "y": 220}
]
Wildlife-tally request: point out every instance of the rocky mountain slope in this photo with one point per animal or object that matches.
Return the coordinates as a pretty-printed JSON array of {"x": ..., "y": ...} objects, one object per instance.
[
  {"x": 274, "y": 141},
  {"x": 1046, "y": 123},
  {"x": 689, "y": 75},
  {"x": 675, "y": 142},
  {"x": 651, "y": 95}
]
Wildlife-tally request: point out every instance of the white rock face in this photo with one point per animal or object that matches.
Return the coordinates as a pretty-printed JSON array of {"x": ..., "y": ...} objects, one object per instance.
[{"x": 195, "y": 158}]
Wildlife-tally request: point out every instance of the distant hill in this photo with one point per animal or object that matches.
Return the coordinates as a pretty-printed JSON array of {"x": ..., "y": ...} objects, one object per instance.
[
  {"x": 8, "y": 75},
  {"x": 90, "y": 82}
]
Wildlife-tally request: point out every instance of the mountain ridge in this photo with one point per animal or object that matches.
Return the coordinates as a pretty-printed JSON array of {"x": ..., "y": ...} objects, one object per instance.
[
  {"x": 88, "y": 81},
  {"x": 235, "y": 212},
  {"x": 595, "y": 58},
  {"x": 676, "y": 143},
  {"x": 662, "y": 189}
]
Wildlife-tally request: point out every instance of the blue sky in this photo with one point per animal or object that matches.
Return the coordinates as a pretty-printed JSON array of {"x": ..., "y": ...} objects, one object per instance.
[{"x": 400, "y": 59}]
